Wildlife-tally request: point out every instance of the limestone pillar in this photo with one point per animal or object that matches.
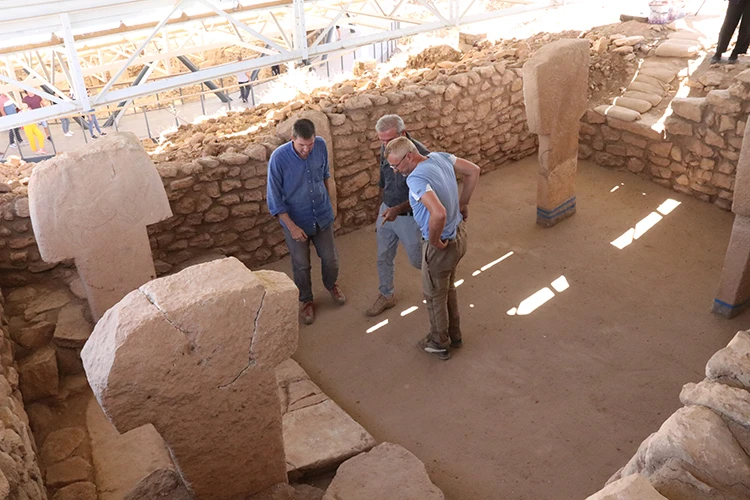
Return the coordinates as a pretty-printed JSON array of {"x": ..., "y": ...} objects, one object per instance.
[
  {"x": 194, "y": 354},
  {"x": 93, "y": 205},
  {"x": 734, "y": 288},
  {"x": 555, "y": 88}
]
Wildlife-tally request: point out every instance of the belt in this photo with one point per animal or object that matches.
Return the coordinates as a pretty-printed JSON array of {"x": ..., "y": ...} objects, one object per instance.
[{"x": 407, "y": 214}]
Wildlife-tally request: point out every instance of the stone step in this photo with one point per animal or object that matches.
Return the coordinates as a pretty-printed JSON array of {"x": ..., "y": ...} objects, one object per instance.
[{"x": 618, "y": 112}]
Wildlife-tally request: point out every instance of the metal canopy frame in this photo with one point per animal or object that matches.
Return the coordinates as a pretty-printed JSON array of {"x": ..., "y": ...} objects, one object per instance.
[{"x": 74, "y": 39}]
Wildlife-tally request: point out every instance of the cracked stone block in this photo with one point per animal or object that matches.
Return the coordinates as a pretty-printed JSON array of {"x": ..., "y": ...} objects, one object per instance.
[
  {"x": 207, "y": 385},
  {"x": 93, "y": 205},
  {"x": 387, "y": 471},
  {"x": 731, "y": 365},
  {"x": 555, "y": 89}
]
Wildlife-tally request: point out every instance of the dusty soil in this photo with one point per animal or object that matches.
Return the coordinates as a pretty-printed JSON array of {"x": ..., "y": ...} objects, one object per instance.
[{"x": 548, "y": 405}]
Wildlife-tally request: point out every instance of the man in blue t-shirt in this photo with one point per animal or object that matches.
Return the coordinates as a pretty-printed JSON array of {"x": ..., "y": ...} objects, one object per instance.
[
  {"x": 297, "y": 194},
  {"x": 440, "y": 213}
]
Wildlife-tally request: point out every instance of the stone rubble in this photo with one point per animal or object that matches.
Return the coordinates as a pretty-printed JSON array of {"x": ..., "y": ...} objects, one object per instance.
[{"x": 701, "y": 451}]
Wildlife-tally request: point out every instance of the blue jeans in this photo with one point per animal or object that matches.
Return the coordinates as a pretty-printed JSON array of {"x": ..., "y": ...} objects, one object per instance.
[
  {"x": 404, "y": 229},
  {"x": 65, "y": 122},
  {"x": 11, "y": 110},
  {"x": 93, "y": 122},
  {"x": 299, "y": 251}
]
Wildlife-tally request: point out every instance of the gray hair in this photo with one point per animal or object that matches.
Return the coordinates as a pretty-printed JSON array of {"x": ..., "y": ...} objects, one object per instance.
[{"x": 388, "y": 122}]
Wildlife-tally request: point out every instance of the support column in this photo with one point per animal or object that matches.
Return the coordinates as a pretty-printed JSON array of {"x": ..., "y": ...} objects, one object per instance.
[
  {"x": 555, "y": 88},
  {"x": 734, "y": 288}
]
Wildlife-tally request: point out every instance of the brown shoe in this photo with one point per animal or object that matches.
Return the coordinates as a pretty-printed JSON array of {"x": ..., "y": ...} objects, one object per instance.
[
  {"x": 338, "y": 295},
  {"x": 381, "y": 304},
  {"x": 307, "y": 312}
]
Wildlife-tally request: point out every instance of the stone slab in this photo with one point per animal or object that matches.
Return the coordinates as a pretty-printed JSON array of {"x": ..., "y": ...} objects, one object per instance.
[
  {"x": 38, "y": 375},
  {"x": 317, "y": 438},
  {"x": 732, "y": 402},
  {"x": 387, "y": 471},
  {"x": 741, "y": 203},
  {"x": 654, "y": 99},
  {"x": 72, "y": 329}
]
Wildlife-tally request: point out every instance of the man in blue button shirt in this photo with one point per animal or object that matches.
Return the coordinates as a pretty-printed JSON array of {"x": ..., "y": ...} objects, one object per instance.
[
  {"x": 298, "y": 179},
  {"x": 440, "y": 213}
]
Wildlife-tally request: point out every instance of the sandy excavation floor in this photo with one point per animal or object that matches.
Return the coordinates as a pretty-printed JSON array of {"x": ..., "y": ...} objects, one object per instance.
[{"x": 549, "y": 404}]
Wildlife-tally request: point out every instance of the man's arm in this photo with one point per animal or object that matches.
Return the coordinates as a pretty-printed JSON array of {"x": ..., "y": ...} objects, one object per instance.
[
  {"x": 276, "y": 204},
  {"x": 437, "y": 218},
  {"x": 470, "y": 173}
]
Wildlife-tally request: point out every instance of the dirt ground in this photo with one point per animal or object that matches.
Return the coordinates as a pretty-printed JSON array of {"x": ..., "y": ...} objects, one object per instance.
[{"x": 550, "y": 404}]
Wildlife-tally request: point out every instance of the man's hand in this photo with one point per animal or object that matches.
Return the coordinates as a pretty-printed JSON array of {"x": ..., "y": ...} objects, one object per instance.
[
  {"x": 297, "y": 233},
  {"x": 390, "y": 214},
  {"x": 465, "y": 211},
  {"x": 440, "y": 244}
]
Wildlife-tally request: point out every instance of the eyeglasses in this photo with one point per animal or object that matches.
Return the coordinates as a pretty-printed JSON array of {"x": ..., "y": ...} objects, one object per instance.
[{"x": 394, "y": 167}]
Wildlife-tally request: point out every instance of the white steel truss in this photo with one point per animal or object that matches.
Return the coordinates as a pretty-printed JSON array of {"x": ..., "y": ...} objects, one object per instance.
[{"x": 52, "y": 53}]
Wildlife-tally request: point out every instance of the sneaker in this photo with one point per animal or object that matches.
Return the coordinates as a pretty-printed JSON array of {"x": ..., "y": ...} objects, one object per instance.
[
  {"x": 732, "y": 59},
  {"x": 41, "y": 152},
  {"x": 14, "y": 145},
  {"x": 68, "y": 134},
  {"x": 716, "y": 59},
  {"x": 431, "y": 347},
  {"x": 381, "y": 304},
  {"x": 307, "y": 312},
  {"x": 104, "y": 133},
  {"x": 94, "y": 136},
  {"x": 338, "y": 295},
  {"x": 456, "y": 344}
]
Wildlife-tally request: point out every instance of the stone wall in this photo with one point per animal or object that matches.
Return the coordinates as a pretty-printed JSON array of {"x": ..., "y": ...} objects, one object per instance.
[
  {"x": 695, "y": 152},
  {"x": 216, "y": 179},
  {"x": 20, "y": 477}
]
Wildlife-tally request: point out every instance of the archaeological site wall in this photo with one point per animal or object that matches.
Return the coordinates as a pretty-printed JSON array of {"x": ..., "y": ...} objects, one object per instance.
[
  {"x": 20, "y": 476},
  {"x": 695, "y": 152},
  {"x": 214, "y": 172}
]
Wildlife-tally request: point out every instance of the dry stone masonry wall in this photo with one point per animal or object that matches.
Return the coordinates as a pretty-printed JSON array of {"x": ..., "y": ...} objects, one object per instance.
[
  {"x": 20, "y": 477},
  {"x": 696, "y": 153},
  {"x": 214, "y": 172}
]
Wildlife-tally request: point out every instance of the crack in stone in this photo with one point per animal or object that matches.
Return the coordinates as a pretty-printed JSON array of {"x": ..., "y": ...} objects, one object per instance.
[
  {"x": 191, "y": 343},
  {"x": 251, "y": 361}
]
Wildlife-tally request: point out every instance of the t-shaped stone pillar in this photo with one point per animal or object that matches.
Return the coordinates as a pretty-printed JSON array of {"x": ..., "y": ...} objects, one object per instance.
[
  {"x": 194, "y": 355},
  {"x": 93, "y": 205},
  {"x": 555, "y": 88},
  {"x": 734, "y": 289}
]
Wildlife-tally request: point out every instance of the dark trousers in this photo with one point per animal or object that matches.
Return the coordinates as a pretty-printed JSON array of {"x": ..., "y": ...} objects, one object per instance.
[
  {"x": 737, "y": 13},
  {"x": 299, "y": 251},
  {"x": 17, "y": 134},
  {"x": 244, "y": 90}
]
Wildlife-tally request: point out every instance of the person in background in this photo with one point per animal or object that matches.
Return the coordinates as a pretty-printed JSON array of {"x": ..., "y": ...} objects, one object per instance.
[
  {"x": 738, "y": 12},
  {"x": 93, "y": 122},
  {"x": 34, "y": 101},
  {"x": 297, "y": 194},
  {"x": 33, "y": 134},
  {"x": 243, "y": 79},
  {"x": 7, "y": 108},
  {"x": 65, "y": 123}
]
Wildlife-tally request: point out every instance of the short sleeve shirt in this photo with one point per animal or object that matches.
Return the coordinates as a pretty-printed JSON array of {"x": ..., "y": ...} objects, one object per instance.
[
  {"x": 34, "y": 101},
  {"x": 435, "y": 174}
]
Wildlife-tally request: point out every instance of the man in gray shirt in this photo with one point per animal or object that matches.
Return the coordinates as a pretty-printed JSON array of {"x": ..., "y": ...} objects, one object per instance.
[{"x": 395, "y": 219}]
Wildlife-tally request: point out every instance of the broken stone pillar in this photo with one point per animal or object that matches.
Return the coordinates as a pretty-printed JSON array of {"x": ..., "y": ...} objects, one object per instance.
[
  {"x": 734, "y": 288},
  {"x": 194, "y": 354},
  {"x": 93, "y": 205},
  {"x": 555, "y": 88}
]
